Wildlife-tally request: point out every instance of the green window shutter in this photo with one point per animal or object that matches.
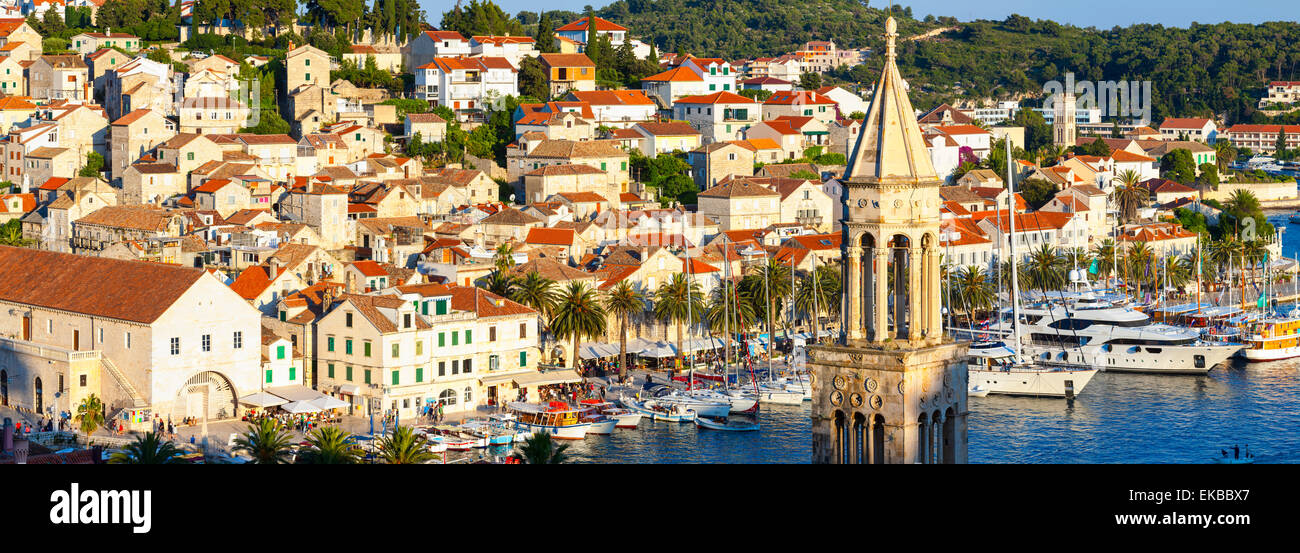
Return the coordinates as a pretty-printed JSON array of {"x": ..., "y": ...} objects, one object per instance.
[
  {"x": 441, "y": 307},
  {"x": 268, "y": 376},
  {"x": 347, "y": 373},
  {"x": 347, "y": 347},
  {"x": 306, "y": 63},
  {"x": 713, "y": 87},
  {"x": 424, "y": 308},
  {"x": 523, "y": 359},
  {"x": 291, "y": 372},
  {"x": 279, "y": 352},
  {"x": 623, "y": 167},
  {"x": 469, "y": 336},
  {"x": 367, "y": 348},
  {"x": 419, "y": 374},
  {"x": 602, "y": 167},
  {"x": 329, "y": 344},
  {"x": 442, "y": 339},
  {"x": 307, "y": 76},
  {"x": 455, "y": 338},
  {"x": 282, "y": 316},
  {"x": 367, "y": 376},
  {"x": 329, "y": 370},
  {"x": 396, "y": 378},
  {"x": 396, "y": 350}
]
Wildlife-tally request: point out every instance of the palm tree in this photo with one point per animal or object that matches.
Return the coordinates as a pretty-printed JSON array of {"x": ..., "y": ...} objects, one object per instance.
[
  {"x": 1103, "y": 253},
  {"x": 1179, "y": 270},
  {"x": 1050, "y": 153},
  {"x": 502, "y": 284},
  {"x": 541, "y": 449},
  {"x": 578, "y": 314},
  {"x": 1140, "y": 264},
  {"x": 148, "y": 449},
  {"x": 329, "y": 445},
  {"x": 535, "y": 291},
  {"x": 972, "y": 287},
  {"x": 90, "y": 414},
  {"x": 1130, "y": 196},
  {"x": 623, "y": 301},
  {"x": 403, "y": 446},
  {"x": 1224, "y": 154},
  {"x": 1254, "y": 252},
  {"x": 12, "y": 235},
  {"x": 730, "y": 308},
  {"x": 679, "y": 301},
  {"x": 504, "y": 258},
  {"x": 769, "y": 279},
  {"x": 818, "y": 293},
  {"x": 267, "y": 442},
  {"x": 1046, "y": 269}
]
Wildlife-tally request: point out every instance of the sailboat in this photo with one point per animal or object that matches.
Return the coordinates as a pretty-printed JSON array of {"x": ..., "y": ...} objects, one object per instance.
[{"x": 996, "y": 367}]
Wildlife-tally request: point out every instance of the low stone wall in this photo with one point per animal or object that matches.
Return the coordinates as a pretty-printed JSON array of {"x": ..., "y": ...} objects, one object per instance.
[{"x": 1263, "y": 191}]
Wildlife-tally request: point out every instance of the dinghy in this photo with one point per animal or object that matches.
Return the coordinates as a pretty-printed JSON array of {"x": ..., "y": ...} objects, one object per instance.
[{"x": 728, "y": 425}]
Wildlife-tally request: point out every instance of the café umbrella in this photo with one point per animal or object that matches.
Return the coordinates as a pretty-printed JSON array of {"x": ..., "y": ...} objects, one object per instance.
[{"x": 300, "y": 407}]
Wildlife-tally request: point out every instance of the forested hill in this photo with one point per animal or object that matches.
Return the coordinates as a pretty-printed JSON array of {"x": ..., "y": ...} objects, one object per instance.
[
  {"x": 1202, "y": 70},
  {"x": 749, "y": 28}
]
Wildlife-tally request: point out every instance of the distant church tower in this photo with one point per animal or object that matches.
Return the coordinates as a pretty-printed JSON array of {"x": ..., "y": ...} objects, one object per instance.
[
  {"x": 893, "y": 390},
  {"x": 1063, "y": 120}
]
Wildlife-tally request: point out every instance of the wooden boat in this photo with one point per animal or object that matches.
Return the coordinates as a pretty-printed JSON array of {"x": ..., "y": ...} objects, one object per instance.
[
  {"x": 604, "y": 416},
  {"x": 556, "y": 418},
  {"x": 731, "y": 426},
  {"x": 659, "y": 412}
]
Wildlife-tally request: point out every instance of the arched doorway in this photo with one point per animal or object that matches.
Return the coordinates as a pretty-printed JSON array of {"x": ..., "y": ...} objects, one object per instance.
[
  {"x": 860, "y": 447},
  {"x": 840, "y": 441},
  {"x": 208, "y": 388},
  {"x": 878, "y": 440},
  {"x": 949, "y": 436},
  {"x": 40, "y": 396},
  {"x": 4, "y": 387},
  {"x": 922, "y": 439}
]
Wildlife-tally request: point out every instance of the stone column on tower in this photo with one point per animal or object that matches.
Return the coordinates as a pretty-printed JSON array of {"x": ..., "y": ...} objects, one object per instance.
[
  {"x": 880, "y": 313},
  {"x": 853, "y": 309},
  {"x": 915, "y": 293}
]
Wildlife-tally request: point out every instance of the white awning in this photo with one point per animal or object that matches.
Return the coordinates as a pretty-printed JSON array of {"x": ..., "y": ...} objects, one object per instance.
[
  {"x": 301, "y": 407},
  {"x": 262, "y": 399},
  {"x": 550, "y": 377},
  {"x": 296, "y": 393},
  {"x": 327, "y": 403},
  {"x": 493, "y": 380},
  {"x": 350, "y": 389}
]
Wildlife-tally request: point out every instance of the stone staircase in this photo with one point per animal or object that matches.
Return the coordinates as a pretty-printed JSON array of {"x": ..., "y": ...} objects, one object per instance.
[{"x": 137, "y": 401}]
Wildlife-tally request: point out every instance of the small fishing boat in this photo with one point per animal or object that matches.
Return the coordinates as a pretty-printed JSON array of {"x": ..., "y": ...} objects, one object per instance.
[
  {"x": 977, "y": 391},
  {"x": 623, "y": 418},
  {"x": 727, "y": 425},
  {"x": 741, "y": 402},
  {"x": 1294, "y": 219},
  {"x": 556, "y": 418},
  {"x": 659, "y": 412},
  {"x": 702, "y": 406},
  {"x": 779, "y": 395}
]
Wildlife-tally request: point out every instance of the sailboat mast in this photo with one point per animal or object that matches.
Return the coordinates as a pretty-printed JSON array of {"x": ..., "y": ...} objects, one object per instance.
[
  {"x": 1011, "y": 252},
  {"x": 690, "y": 315}
]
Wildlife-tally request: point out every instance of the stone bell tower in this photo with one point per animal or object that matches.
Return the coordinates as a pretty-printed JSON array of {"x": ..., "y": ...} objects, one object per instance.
[
  {"x": 1063, "y": 120},
  {"x": 893, "y": 389}
]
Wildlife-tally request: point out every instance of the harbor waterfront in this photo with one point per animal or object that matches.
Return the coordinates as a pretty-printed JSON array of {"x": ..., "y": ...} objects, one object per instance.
[{"x": 1123, "y": 418}]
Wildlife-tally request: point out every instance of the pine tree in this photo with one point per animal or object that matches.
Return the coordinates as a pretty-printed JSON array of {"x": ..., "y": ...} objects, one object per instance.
[
  {"x": 546, "y": 35},
  {"x": 1281, "y": 140}
]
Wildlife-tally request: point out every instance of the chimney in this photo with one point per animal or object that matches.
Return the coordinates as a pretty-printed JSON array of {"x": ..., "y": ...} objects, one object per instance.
[{"x": 351, "y": 282}]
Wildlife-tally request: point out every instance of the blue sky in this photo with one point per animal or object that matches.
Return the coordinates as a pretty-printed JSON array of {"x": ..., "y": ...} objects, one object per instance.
[{"x": 1098, "y": 13}]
